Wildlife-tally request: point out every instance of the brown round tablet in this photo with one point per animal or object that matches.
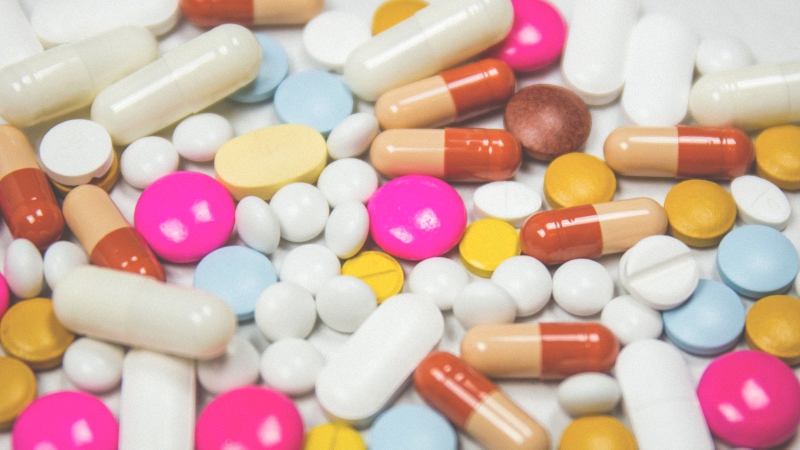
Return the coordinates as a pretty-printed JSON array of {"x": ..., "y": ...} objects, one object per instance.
[{"x": 548, "y": 121}]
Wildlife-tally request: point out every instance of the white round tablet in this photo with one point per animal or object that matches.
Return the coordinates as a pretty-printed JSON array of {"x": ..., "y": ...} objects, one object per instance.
[
  {"x": 257, "y": 225},
  {"x": 92, "y": 365},
  {"x": 582, "y": 287},
  {"x": 330, "y": 37},
  {"x": 761, "y": 202},
  {"x": 198, "y": 137},
  {"x": 510, "y": 201},
  {"x": 61, "y": 257},
  {"x": 343, "y": 302},
  {"x": 347, "y": 180},
  {"x": 482, "y": 302},
  {"x": 148, "y": 159},
  {"x": 352, "y": 136},
  {"x": 24, "y": 268},
  {"x": 631, "y": 320},
  {"x": 440, "y": 279},
  {"x": 309, "y": 266},
  {"x": 528, "y": 282},
  {"x": 76, "y": 151},
  {"x": 291, "y": 366},
  {"x": 588, "y": 393},
  {"x": 302, "y": 211},
  {"x": 285, "y": 310},
  {"x": 721, "y": 53},
  {"x": 238, "y": 366},
  {"x": 347, "y": 229}
]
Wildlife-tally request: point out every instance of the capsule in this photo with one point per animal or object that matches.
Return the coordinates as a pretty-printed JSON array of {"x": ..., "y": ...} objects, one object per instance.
[
  {"x": 453, "y": 154},
  {"x": 106, "y": 236},
  {"x": 550, "y": 351},
  {"x": 68, "y": 77},
  {"x": 27, "y": 201},
  {"x": 437, "y": 37},
  {"x": 591, "y": 231},
  {"x": 475, "y": 405},
  {"x": 679, "y": 152},
  {"x": 185, "y": 80},
  {"x": 204, "y": 13},
  {"x": 453, "y": 95}
]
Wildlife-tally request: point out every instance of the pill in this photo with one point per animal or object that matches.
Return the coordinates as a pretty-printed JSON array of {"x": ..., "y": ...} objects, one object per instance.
[
  {"x": 198, "y": 137},
  {"x": 392, "y": 12},
  {"x": 250, "y": 12},
  {"x": 291, "y": 366},
  {"x": 474, "y": 404},
  {"x": 285, "y": 310},
  {"x": 210, "y": 67},
  {"x": 347, "y": 229},
  {"x": 18, "y": 39},
  {"x": 453, "y": 154},
  {"x": 587, "y": 433},
  {"x": 330, "y": 37},
  {"x": 430, "y": 41},
  {"x": 482, "y": 302},
  {"x": 146, "y": 313},
  {"x": 590, "y": 231},
  {"x": 352, "y": 136},
  {"x": 27, "y": 201},
  {"x": 750, "y": 399},
  {"x": 659, "y": 71},
  {"x": 17, "y": 391},
  {"x": 588, "y": 393},
  {"x": 412, "y": 426},
  {"x": 344, "y": 302},
  {"x": 547, "y": 120},
  {"x": 700, "y": 212},
  {"x": 511, "y": 201},
  {"x": 257, "y": 225},
  {"x": 333, "y": 436},
  {"x": 408, "y": 326},
  {"x": 59, "y": 258},
  {"x": 596, "y": 53},
  {"x": 148, "y": 159},
  {"x": 771, "y": 326},
  {"x": 440, "y": 279},
  {"x": 582, "y": 287},
  {"x": 157, "y": 401},
  {"x": 451, "y": 96},
  {"x": 346, "y": 180},
  {"x": 487, "y": 243},
  {"x": 24, "y": 268},
  {"x": 679, "y": 152},
  {"x": 578, "y": 179},
  {"x": 539, "y": 350},
  {"x": 109, "y": 240},
  {"x": 237, "y": 367},
  {"x": 748, "y": 98},
  {"x": 631, "y": 320},
  {"x": 532, "y": 18},
  {"x": 309, "y": 266},
  {"x": 314, "y": 98},
  {"x": 30, "y": 332},
  {"x": 68, "y": 77},
  {"x": 274, "y": 68},
  {"x": 302, "y": 211},
  {"x": 264, "y": 160},
  {"x": 528, "y": 282},
  {"x": 719, "y": 53},
  {"x": 759, "y": 202},
  {"x": 380, "y": 271},
  {"x": 659, "y": 397},
  {"x": 92, "y": 365},
  {"x": 777, "y": 157},
  {"x": 3, "y": 295}
]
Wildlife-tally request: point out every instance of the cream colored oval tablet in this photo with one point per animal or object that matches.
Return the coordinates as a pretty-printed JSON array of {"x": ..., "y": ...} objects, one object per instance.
[{"x": 264, "y": 160}]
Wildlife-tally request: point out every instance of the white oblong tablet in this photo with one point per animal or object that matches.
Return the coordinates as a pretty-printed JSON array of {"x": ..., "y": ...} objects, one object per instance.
[
  {"x": 582, "y": 287},
  {"x": 371, "y": 367},
  {"x": 631, "y": 320},
  {"x": 510, "y": 201},
  {"x": 285, "y": 310},
  {"x": 61, "y": 257},
  {"x": 347, "y": 180},
  {"x": 309, "y": 266},
  {"x": 237, "y": 367},
  {"x": 23, "y": 268},
  {"x": 352, "y": 136},
  {"x": 345, "y": 302},
  {"x": 330, "y": 37},
  {"x": 148, "y": 159},
  {"x": 440, "y": 279},
  {"x": 761, "y": 202},
  {"x": 92, "y": 365},
  {"x": 198, "y": 137},
  {"x": 588, "y": 393},
  {"x": 302, "y": 211},
  {"x": 347, "y": 229},
  {"x": 291, "y": 366},
  {"x": 482, "y": 302},
  {"x": 719, "y": 53},
  {"x": 659, "y": 71},
  {"x": 75, "y": 151},
  {"x": 528, "y": 282}
]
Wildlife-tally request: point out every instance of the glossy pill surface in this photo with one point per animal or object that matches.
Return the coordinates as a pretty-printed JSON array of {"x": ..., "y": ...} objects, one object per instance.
[
  {"x": 532, "y": 18},
  {"x": 250, "y": 12},
  {"x": 773, "y": 326},
  {"x": 92, "y": 365},
  {"x": 24, "y": 268},
  {"x": 700, "y": 212},
  {"x": 148, "y": 159},
  {"x": 198, "y": 137},
  {"x": 588, "y": 393}
]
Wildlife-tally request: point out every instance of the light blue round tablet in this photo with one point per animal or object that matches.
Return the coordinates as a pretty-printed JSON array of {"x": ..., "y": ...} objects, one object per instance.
[
  {"x": 757, "y": 261},
  {"x": 315, "y": 98},
  {"x": 274, "y": 68},
  {"x": 415, "y": 427},
  {"x": 236, "y": 274},
  {"x": 709, "y": 323}
]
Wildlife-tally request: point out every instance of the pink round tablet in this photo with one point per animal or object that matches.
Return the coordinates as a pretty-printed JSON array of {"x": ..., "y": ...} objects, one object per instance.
[
  {"x": 184, "y": 216},
  {"x": 750, "y": 399},
  {"x": 416, "y": 217},
  {"x": 3, "y": 295},
  {"x": 252, "y": 418},
  {"x": 536, "y": 39},
  {"x": 65, "y": 420}
]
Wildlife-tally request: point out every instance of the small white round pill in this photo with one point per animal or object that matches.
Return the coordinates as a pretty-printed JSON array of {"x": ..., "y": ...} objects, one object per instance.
[
  {"x": 285, "y": 310},
  {"x": 92, "y": 365},
  {"x": 528, "y": 282},
  {"x": 24, "y": 268},
  {"x": 582, "y": 287},
  {"x": 309, "y": 266},
  {"x": 291, "y": 366},
  {"x": 344, "y": 302},
  {"x": 302, "y": 211},
  {"x": 330, "y": 37},
  {"x": 198, "y": 137},
  {"x": 482, "y": 302},
  {"x": 722, "y": 53},
  {"x": 61, "y": 257},
  {"x": 761, "y": 202},
  {"x": 257, "y": 225},
  {"x": 76, "y": 151},
  {"x": 347, "y": 180},
  {"x": 347, "y": 229},
  {"x": 237, "y": 367},
  {"x": 588, "y": 393},
  {"x": 440, "y": 279},
  {"x": 352, "y": 136},
  {"x": 631, "y": 320},
  {"x": 510, "y": 201},
  {"x": 148, "y": 159}
]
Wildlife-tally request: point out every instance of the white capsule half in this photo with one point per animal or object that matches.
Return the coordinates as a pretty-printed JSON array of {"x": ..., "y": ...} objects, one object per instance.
[{"x": 17, "y": 38}]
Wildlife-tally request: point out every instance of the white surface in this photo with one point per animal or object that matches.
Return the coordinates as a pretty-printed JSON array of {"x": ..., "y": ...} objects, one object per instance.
[
  {"x": 510, "y": 201},
  {"x": 631, "y": 320},
  {"x": 352, "y": 137},
  {"x": 24, "y": 268},
  {"x": 285, "y": 310},
  {"x": 582, "y": 287},
  {"x": 60, "y": 258},
  {"x": 347, "y": 229},
  {"x": 291, "y": 366},
  {"x": 718, "y": 53},
  {"x": 758, "y": 201},
  {"x": 17, "y": 38},
  {"x": 482, "y": 302},
  {"x": 345, "y": 302},
  {"x": 257, "y": 225},
  {"x": 92, "y": 365},
  {"x": 148, "y": 159},
  {"x": 330, "y": 37},
  {"x": 198, "y": 137},
  {"x": 309, "y": 266},
  {"x": 528, "y": 282},
  {"x": 302, "y": 211},
  {"x": 346, "y": 180},
  {"x": 440, "y": 279},
  {"x": 76, "y": 151},
  {"x": 237, "y": 367},
  {"x": 588, "y": 393}
]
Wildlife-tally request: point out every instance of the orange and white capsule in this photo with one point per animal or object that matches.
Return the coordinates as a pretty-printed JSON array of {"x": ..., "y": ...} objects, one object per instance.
[
  {"x": 591, "y": 231},
  {"x": 205, "y": 13},
  {"x": 106, "y": 236},
  {"x": 475, "y": 405},
  {"x": 679, "y": 152},
  {"x": 452, "y": 154},
  {"x": 453, "y": 95},
  {"x": 550, "y": 351}
]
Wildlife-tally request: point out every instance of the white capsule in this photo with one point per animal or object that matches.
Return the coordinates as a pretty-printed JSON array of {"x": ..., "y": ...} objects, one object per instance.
[
  {"x": 344, "y": 302},
  {"x": 352, "y": 136},
  {"x": 285, "y": 310},
  {"x": 237, "y": 367},
  {"x": 346, "y": 180},
  {"x": 61, "y": 257},
  {"x": 24, "y": 268},
  {"x": 309, "y": 266},
  {"x": 92, "y": 365},
  {"x": 347, "y": 229},
  {"x": 17, "y": 38},
  {"x": 291, "y": 366},
  {"x": 482, "y": 302},
  {"x": 631, "y": 320},
  {"x": 257, "y": 225},
  {"x": 302, "y": 211},
  {"x": 528, "y": 282},
  {"x": 589, "y": 393}
]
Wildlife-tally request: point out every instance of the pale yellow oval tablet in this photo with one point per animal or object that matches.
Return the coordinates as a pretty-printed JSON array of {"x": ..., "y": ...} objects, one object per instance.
[{"x": 264, "y": 160}]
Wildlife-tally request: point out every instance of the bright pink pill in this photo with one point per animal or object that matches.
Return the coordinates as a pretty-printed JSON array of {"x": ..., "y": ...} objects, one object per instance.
[
  {"x": 184, "y": 216},
  {"x": 3, "y": 295},
  {"x": 536, "y": 39},
  {"x": 65, "y": 420},
  {"x": 251, "y": 418},
  {"x": 750, "y": 399},
  {"x": 416, "y": 217}
]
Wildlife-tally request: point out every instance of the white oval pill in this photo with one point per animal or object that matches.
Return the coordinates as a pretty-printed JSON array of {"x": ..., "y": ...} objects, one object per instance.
[
  {"x": 285, "y": 310},
  {"x": 761, "y": 202},
  {"x": 344, "y": 302},
  {"x": 75, "y": 151},
  {"x": 347, "y": 229},
  {"x": 582, "y": 287},
  {"x": 24, "y": 268},
  {"x": 302, "y": 211},
  {"x": 510, "y": 201},
  {"x": 440, "y": 279},
  {"x": 717, "y": 53},
  {"x": 352, "y": 136},
  {"x": 346, "y": 180},
  {"x": 330, "y": 37},
  {"x": 309, "y": 266},
  {"x": 528, "y": 282},
  {"x": 237, "y": 367},
  {"x": 92, "y": 365},
  {"x": 482, "y": 302},
  {"x": 631, "y": 320},
  {"x": 257, "y": 225},
  {"x": 291, "y": 366},
  {"x": 148, "y": 159},
  {"x": 61, "y": 257},
  {"x": 198, "y": 137},
  {"x": 588, "y": 393}
]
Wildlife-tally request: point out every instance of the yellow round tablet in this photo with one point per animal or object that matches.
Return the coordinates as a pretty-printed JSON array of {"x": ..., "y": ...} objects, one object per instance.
[
  {"x": 486, "y": 243},
  {"x": 778, "y": 156},
  {"x": 392, "y": 12},
  {"x": 106, "y": 182},
  {"x": 264, "y": 160},
  {"x": 578, "y": 179},
  {"x": 379, "y": 270},
  {"x": 17, "y": 389},
  {"x": 333, "y": 436},
  {"x": 30, "y": 331},
  {"x": 773, "y": 326},
  {"x": 700, "y": 212},
  {"x": 597, "y": 433}
]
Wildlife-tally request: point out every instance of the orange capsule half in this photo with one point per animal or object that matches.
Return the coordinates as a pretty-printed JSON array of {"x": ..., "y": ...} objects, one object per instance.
[{"x": 210, "y": 13}]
